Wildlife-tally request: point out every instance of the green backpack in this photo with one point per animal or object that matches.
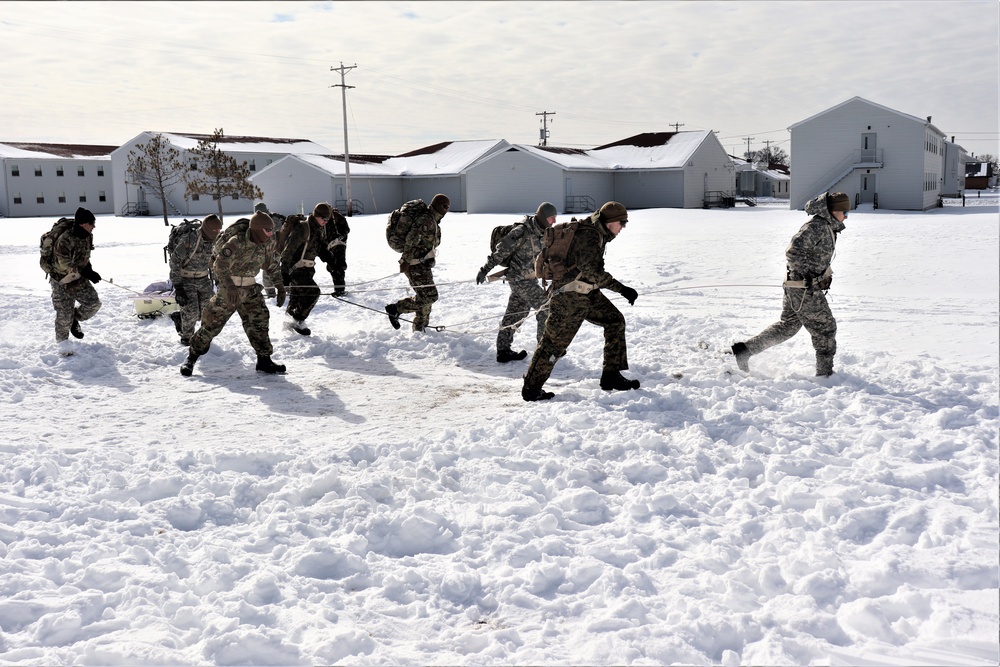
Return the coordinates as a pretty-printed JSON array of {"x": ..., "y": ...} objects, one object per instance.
[{"x": 48, "y": 241}]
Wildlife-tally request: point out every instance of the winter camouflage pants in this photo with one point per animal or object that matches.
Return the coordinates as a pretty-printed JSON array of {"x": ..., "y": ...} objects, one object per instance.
[
  {"x": 525, "y": 296},
  {"x": 802, "y": 308},
  {"x": 422, "y": 281},
  {"x": 64, "y": 300},
  {"x": 252, "y": 311},
  {"x": 567, "y": 311},
  {"x": 198, "y": 291},
  {"x": 303, "y": 293}
]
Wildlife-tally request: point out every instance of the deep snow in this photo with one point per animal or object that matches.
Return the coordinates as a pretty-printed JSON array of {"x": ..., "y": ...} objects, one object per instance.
[{"x": 391, "y": 500}]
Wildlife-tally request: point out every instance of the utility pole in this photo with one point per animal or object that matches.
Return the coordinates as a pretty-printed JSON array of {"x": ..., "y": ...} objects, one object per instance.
[
  {"x": 767, "y": 150},
  {"x": 347, "y": 153},
  {"x": 749, "y": 154},
  {"x": 676, "y": 125},
  {"x": 544, "y": 132}
]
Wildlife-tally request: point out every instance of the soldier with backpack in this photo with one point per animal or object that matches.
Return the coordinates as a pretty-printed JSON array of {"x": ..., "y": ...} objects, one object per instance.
[
  {"x": 241, "y": 251},
  {"x": 302, "y": 243},
  {"x": 576, "y": 297},
  {"x": 517, "y": 249},
  {"x": 417, "y": 246},
  {"x": 190, "y": 249},
  {"x": 65, "y": 258},
  {"x": 261, "y": 207}
]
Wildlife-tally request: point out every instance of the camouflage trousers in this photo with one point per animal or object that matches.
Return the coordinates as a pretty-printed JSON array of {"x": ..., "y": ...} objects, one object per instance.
[
  {"x": 252, "y": 311},
  {"x": 64, "y": 300},
  {"x": 802, "y": 308},
  {"x": 303, "y": 293},
  {"x": 525, "y": 296},
  {"x": 422, "y": 281},
  {"x": 198, "y": 291},
  {"x": 338, "y": 267},
  {"x": 567, "y": 311}
]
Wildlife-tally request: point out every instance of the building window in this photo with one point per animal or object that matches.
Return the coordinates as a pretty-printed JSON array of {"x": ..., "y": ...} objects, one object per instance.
[
  {"x": 38, "y": 171},
  {"x": 193, "y": 165},
  {"x": 236, "y": 196},
  {"x": 101, "y": 196},
  {"x": 59, "y": 171},
  {"x": 40, "y": 199},
  {"x": 100, "y": 171},
  {"x": 253, "y": 165},
  {"x": 17, "y": 198},
  {"x": 15, "y": 170},
  {"x": 83, "y": 197},
  {"x": 195, "y": 198},
  {"x": 79, "y": 171},
  {"x": 62, "y": 198}
]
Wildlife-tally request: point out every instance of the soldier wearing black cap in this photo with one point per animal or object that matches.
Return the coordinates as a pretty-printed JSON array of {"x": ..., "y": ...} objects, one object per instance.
[
  {"x": 577, "y": 298},
  {"x": 808, "y": 277},
  {"x": 72, "y": 277}
]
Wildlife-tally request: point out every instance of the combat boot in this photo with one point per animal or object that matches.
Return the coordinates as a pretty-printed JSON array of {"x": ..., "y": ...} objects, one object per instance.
[
  {"x": 615, "y": 381},
  {"x": 75, "y": 329},
  {"x": 265, "y": 365},
  {"x": 176, "y": 317},
  {"x": 742, "y": 354},
  {"x": 188, "y": 366},
  {"x": 393, "y": 312},
  {"x": 299, "y": 327},
  {"x": 532, "y": 394},
  {"x": 503, "y": 356}
]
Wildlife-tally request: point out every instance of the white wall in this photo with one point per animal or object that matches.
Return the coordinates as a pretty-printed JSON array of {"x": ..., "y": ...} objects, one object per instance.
[
  {"x": 650, "y": 189},
  {"x": 709, "y": 169},
  {"x": 513, "y": 182},
  {"x": 51, "y": 187}
]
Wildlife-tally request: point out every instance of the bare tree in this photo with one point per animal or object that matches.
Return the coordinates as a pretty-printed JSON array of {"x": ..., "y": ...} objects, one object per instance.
[
  {"x": 771, "y": 155},
  {"x": 219, "y": 174},
  {"x": 156, "y": 166}
]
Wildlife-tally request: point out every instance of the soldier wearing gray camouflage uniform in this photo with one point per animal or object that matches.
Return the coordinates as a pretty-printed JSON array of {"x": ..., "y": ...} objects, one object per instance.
[
  {"x": 190, "y": 265},
  {"x": 240, "y": 254},
  {"x": 302, "y": 244},
  {"x": 417, "y": 262},
  {"x": 518, "y": 250},
  {"x": 808, "y": 278},
  {"x": 577, "y": 298},
  {"x": 72, "y": 276}
]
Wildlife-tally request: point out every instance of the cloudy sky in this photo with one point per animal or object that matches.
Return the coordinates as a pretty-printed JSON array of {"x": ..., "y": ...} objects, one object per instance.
[{"x": 102, "y": 72}]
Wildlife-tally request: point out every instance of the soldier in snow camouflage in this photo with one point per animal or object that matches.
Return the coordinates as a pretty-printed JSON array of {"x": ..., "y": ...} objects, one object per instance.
[
  {"x": 72, "y": 276},
  {"x": 190, "y": 264},
  {"x": 417, "y": 262},
  {"x": 577, "y": 298},
  {"x": 238, "y": 259},
  {"x": 809, "y": 277},
  {"x": 518, "y": 249}
]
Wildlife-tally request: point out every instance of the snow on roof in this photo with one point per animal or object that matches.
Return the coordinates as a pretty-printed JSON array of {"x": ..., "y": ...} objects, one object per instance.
[
  {"x": 451, "y": 157},
  {"x": 652, "y": 150},
  {"x": 249, "y": 144},
  {"x": 34, "y": 150},
  {"x": 334, "y": 165}
]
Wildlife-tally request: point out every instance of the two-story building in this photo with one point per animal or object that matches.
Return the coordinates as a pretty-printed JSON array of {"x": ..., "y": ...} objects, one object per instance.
[{"x": 54, "y": 179}]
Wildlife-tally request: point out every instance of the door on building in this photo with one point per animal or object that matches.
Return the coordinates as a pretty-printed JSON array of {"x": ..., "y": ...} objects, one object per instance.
[
  {"x": 867, "y": 188},
  {"x": 868, "y": 146}
]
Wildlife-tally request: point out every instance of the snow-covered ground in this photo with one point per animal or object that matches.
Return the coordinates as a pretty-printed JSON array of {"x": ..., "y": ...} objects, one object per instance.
[{"x": 392, "y": 500}]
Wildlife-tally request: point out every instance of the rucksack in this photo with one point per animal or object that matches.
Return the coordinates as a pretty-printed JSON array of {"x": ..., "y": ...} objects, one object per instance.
[
  {"x": 179, "y": 233},
  {"x": 556, "y": 241},
  {"x": 287, "y": 225},
  {"x": 400, "y": 222},
  {"x": 47, "y": 243},
  {"x": 497, "y": 235}
]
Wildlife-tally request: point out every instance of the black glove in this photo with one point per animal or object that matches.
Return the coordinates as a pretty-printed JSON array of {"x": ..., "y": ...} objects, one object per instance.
[
  {"x": 481, "y": 276},
  {"x": 180, "y": 296},
  {"x": 630, "y": 295},
  {"x": 280, "y": 296},
  {"x": 91, "y": 275}
]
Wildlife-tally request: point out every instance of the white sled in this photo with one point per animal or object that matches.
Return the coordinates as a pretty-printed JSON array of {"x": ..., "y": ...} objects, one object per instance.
[{"x": 157, "y": 299}]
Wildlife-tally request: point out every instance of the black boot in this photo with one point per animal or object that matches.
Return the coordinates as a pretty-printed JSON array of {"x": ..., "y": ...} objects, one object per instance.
[
  {"x": 75, "y": 329},
  {"x": 532, "y": 394},
  {"x": 503, "y": 356},
  {"x": 615, "y": 381},
  {"x": 299, "y": 327},
  {"x": 393, "y": 312},
  {"x": 188, "y": 366},
  {"x": 742, "y": 355},
  {"x": 176, "y": 317},
  {"x": 265, "y": 365}
]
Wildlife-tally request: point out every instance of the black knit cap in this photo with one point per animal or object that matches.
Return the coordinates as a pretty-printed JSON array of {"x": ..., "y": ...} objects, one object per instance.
[{"x": 84, "y": 217}]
